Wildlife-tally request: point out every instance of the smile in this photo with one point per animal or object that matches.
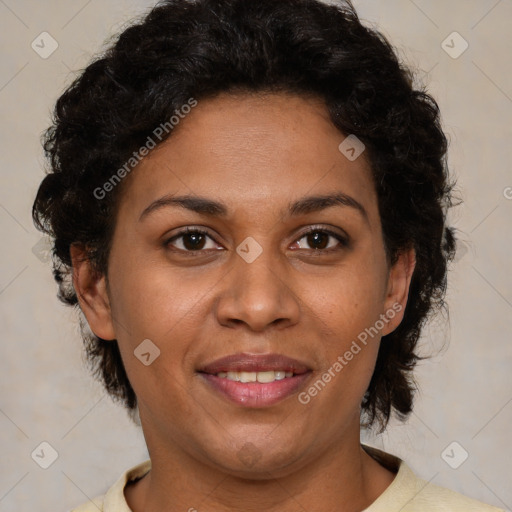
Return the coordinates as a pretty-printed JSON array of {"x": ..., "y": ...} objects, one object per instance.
[
  {"x": 255, "y": 380},
  {"x": 253, "y": 393},
  {"x": 263, "y": 377}
]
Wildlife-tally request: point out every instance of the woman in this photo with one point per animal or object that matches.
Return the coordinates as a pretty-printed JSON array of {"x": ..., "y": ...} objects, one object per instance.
[{"x": 248, "y": 204}]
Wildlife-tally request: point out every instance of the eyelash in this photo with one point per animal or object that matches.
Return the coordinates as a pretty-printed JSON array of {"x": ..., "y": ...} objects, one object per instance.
[{"x": 199, "y": 231}]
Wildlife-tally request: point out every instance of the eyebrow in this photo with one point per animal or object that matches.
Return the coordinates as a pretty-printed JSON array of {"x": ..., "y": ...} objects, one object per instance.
[{"x": 212, "y": 208}]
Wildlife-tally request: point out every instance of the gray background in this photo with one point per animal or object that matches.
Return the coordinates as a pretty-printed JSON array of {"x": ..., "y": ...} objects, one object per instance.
[{"x": 465, "y": 389}]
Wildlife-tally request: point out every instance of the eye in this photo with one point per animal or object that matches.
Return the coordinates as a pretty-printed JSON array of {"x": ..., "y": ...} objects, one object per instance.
[
  {"x": 318, "y": 239},
  {"x": 192, "y": 240},
  {"x": 196, "y": 240}
]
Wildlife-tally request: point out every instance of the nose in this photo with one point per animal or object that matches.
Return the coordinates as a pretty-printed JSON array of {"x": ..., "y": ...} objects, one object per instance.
[{"x": 258, "y": 295}]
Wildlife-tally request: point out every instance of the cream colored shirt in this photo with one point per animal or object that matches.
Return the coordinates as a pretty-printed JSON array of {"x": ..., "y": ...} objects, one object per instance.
[{"x": 407, "y": 492}]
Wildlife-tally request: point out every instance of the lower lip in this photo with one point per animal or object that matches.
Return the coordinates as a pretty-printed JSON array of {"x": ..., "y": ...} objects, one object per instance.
[{"x": 256, "y": 394}]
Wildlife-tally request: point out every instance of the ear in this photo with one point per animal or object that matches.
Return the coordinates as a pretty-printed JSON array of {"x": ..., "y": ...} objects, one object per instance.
[
  {"x": 91, "y": 290},
  {"x": 399, "y": 281}
]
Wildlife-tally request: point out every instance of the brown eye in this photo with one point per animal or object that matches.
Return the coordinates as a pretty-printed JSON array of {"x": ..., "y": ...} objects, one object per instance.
[
  {"x": 191, "y": 240},
  {"x": 323, "y": 240},
  {"x": 318, "y": 240}
]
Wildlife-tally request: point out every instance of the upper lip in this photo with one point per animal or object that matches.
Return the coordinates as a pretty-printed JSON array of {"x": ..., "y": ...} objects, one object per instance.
[{"x": 244, "y": 362}]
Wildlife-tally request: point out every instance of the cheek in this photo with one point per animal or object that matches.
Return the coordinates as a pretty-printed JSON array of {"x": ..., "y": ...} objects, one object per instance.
[
  {"x": 150, "y": 299},
  {"x": 349, "y": 344},
  {"x": 347, "y": 311},
  {"x": 152, "y": 303},
  {"x": 348, "y": 303}
]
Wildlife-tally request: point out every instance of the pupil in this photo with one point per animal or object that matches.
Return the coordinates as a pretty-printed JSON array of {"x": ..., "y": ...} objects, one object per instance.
[
  {"x": 196, "y": 237},
  {"x": 313, "y": 239}
]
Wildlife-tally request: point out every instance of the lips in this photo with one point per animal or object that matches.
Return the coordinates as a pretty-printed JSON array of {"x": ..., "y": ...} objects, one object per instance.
[
  {"x": 255, "y": 363},
  {"x": 238, "y": 378}
]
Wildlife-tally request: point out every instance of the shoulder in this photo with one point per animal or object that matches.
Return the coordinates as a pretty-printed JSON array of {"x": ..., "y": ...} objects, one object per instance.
[
  {"x": 431, "y": 497},
  {"x": 409, "y": 493},
  {"x": 114, "y": 500}
]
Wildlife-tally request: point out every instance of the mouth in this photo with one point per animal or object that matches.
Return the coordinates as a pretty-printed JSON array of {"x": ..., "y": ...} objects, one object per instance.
[
  {"x": 262, "y": 377},
  {"x": 255, "y": 380}
]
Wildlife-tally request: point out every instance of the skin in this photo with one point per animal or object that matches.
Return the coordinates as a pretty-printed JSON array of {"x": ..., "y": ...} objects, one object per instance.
[{"x": 304, "y": 298}]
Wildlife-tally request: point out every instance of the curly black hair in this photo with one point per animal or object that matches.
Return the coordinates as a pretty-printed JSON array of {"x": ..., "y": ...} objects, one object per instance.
[{"x": 201, "y": 48}]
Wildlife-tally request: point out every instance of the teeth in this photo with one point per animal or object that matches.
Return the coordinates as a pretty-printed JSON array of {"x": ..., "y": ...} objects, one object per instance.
[
  {"x": 263, "y": 377},
  {"x": 266, "y": 377},
  {"x": 247, "y": 376}
]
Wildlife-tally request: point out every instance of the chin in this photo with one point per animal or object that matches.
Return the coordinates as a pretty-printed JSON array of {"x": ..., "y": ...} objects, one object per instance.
[{"x": 259, "y": 461}]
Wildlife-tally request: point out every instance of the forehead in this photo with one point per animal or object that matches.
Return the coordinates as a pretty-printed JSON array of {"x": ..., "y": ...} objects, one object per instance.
[{"x": 252, "y": 149}]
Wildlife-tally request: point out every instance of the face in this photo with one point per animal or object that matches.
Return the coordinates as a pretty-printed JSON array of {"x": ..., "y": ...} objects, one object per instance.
[{"x": 267, "y": 282}]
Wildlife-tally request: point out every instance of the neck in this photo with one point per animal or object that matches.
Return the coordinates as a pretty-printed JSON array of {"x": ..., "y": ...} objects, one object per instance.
[{"x": 345, "y": 479}]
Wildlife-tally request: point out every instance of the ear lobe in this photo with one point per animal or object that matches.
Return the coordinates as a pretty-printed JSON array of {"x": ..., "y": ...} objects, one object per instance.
[
  {"x": 399, "y": 281},
  {"x": 91, "y": 290}
]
